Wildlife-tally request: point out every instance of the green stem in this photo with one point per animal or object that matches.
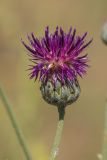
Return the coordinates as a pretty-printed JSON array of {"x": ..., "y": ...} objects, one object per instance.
[
  {"x": 104, "y": 149},
  {"x": 15, "y": 125},
  {"x": 103, "y": 154},
  {"x": 55, "y": 148}
]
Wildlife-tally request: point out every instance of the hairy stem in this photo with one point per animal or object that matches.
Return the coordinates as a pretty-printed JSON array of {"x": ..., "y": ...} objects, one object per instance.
[
  {"x": 55, "y": 148},
  {"x": 15, "y": 125}
]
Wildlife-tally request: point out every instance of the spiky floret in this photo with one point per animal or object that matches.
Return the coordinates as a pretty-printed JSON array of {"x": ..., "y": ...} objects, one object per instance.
[{"x": 57, "y": 56}]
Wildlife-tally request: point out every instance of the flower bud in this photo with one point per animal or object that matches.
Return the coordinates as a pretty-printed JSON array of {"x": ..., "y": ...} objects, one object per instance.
[
  {"x": 60, "y": 94},
  {"x": 104, "y": 33}
]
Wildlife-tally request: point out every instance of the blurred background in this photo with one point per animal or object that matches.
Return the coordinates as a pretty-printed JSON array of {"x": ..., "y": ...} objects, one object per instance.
[{"x": 83, "y": 130}]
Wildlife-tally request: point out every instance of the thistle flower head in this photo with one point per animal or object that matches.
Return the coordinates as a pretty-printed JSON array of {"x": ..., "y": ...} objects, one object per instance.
[{"x": 57, "y": 56}]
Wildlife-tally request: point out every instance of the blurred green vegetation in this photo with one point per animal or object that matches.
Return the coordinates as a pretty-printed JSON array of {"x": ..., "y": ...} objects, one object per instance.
[{"x": 82, "y": 137}]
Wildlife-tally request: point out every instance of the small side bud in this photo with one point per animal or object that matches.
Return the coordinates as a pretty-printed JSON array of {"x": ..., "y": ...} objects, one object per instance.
[
  {"x": 104, "y": 33},
  {"x": 60, "y": 94}
]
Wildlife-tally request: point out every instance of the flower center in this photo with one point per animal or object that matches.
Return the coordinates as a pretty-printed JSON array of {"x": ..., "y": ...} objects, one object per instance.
[{"x": 55, "y": 63}]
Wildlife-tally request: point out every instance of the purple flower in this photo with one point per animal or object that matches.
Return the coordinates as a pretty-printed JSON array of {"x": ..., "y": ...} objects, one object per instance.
[{"x": 57, "y": 56}]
